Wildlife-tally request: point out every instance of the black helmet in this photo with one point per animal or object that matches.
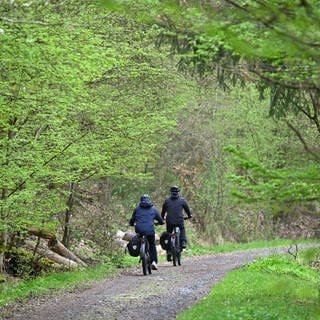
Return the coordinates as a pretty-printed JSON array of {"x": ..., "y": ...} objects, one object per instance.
[
  {"x": 174, "y": 189},
  {"x": 145, "y": 201}
]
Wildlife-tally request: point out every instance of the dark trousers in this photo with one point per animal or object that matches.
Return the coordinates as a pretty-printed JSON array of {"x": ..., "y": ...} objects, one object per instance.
[
  {"x": 152, "y": 248},
  {"x": 183, "y": 237}
]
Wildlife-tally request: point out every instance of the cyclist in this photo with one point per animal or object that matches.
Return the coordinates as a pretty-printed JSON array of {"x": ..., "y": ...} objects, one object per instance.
[
  {"x": 143, "y": 219},
  {"x": 173, "y": 208}
]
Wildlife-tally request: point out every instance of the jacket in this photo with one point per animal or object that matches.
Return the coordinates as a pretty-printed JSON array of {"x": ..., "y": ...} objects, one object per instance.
[
  {"x": 143, "y": 218},
  {"x": 174, "y": 207}
]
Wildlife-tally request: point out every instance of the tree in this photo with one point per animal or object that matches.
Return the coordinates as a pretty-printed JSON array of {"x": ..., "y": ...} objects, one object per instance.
[
  {"x": 272, "y": 44},
  {"x": 77, "y": 103}
]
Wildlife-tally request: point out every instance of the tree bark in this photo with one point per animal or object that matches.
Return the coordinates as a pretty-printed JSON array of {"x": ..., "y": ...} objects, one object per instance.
[
  {"x": 57, "y": 247},
  {"x": 44, "y": 252},
  {"x": 67, "y": 217},
  {"x": 128, "y": 236},
  {"x": 42, "y": 233},
  {"x": 3, "y": 245}
]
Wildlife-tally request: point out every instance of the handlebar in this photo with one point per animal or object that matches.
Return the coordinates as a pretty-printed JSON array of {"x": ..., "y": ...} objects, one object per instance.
[
  {"x": 184, "y": 218},
  {"x": 156, "y": 224}
]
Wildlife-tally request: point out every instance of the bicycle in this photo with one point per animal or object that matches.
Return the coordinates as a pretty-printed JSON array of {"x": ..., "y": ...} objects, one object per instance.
[
  {"x": 145, "y": 255},
  {"x": 175, "y": 245}
]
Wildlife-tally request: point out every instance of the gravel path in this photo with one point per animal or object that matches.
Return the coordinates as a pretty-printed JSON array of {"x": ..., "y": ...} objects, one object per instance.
[{"x": 130, "y": 296}]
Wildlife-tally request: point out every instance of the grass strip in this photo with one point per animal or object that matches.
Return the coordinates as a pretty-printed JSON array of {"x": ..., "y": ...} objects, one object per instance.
[
  {"x": 272, "y": 288},
  {"x": 195, "y": 249},
  {"x": 16, "y": 290}
]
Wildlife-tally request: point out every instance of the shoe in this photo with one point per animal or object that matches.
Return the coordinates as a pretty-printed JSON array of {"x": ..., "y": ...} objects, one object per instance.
[
  {"x": 169, "y": 257},
  {"x": 183, "y": 245},
  {"x": 154, "y": 266}
]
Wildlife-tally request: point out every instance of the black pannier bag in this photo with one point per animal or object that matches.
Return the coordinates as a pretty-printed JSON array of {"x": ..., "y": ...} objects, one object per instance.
[
  {"x": 165, "y": 240},
  {"x": 133, "y": 246}
]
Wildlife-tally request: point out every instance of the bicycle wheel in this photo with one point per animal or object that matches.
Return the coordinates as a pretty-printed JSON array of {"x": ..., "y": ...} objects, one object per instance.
[
  {"x": 178, "y": 246},
  {"x": 143, "y": 258},
  {"x": 174, "y": 250}
]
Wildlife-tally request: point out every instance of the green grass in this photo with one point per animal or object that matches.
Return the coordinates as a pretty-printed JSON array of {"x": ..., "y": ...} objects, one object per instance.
[
  {"x": 16, "y": 290},
  {"x": 272, "y": 288},
  {"x": 195, "y": 249}
]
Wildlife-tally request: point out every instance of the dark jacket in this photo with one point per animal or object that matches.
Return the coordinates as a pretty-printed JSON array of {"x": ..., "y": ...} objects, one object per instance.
[
  {"x": 174, "y": 207},
  {"x": 143, "y": 218}
]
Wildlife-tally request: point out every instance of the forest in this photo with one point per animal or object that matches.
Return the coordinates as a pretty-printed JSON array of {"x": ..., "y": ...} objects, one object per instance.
[{"x": 103, "y": 101}]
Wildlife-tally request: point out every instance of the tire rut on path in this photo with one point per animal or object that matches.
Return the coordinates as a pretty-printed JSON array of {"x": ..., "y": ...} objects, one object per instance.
[{"x": 130, "y": 296}]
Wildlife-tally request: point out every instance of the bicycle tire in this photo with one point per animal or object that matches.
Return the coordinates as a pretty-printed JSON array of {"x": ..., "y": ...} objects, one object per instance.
[
  {"x": 178, "y": 244},
  {"x": 174, "y": 250},
  {"x": 178, "y": 247},
  {"x": 143, "y": 258}
]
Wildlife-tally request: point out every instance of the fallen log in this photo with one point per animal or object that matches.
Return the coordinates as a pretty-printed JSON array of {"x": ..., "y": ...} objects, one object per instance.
[
  {"x": 128, "y": 236},
  {"x": 47, "y": 253},
  {"x": 57, "y": 247},
  {"x": 42, "y": 233},
  {"x": 54, "y": 244}
]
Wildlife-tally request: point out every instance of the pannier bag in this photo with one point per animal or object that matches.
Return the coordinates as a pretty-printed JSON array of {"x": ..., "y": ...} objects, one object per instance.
[
  {"x": 165, "y": 240},
  {"x": 133, "y": 246}
]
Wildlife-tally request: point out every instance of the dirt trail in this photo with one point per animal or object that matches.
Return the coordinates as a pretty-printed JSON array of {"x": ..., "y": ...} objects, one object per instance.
[{"x": 130, "y": 296}]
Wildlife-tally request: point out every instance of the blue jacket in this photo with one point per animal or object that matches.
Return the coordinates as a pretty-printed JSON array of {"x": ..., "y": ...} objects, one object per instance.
[{"x": 143, "y": 218}]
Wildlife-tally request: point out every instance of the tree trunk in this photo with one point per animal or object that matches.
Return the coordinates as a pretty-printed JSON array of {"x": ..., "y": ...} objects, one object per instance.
[
  {"x": 42, "y": 233},
  {"x": 44, "y": 252},
  {"x": 67, "y": 218},
  {"x": 128, "y": 236},
  {"x": 3, "y": 245},
  {"x": 57, "y": 247}
]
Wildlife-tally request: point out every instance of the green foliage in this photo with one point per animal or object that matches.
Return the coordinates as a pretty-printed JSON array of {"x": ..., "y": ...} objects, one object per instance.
[
  {"x": 259, "y": 183},
  {"x": 284, "y": 265},
  {"x": 272, "y": 45},
  {"x": 269, "y": 43},
  {"x": 84, "y": 95},
  {"x": 271, "y": 288},
  {"x": 311, "y": 257}
]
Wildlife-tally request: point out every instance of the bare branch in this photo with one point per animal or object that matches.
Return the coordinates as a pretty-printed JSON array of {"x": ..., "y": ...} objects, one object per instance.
[
  {"x": 316, "y": 106},
  {"x": 304, "y": 143},
  {"x": 293, "y": 253},
  {"x": 9, "y": 20}
]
